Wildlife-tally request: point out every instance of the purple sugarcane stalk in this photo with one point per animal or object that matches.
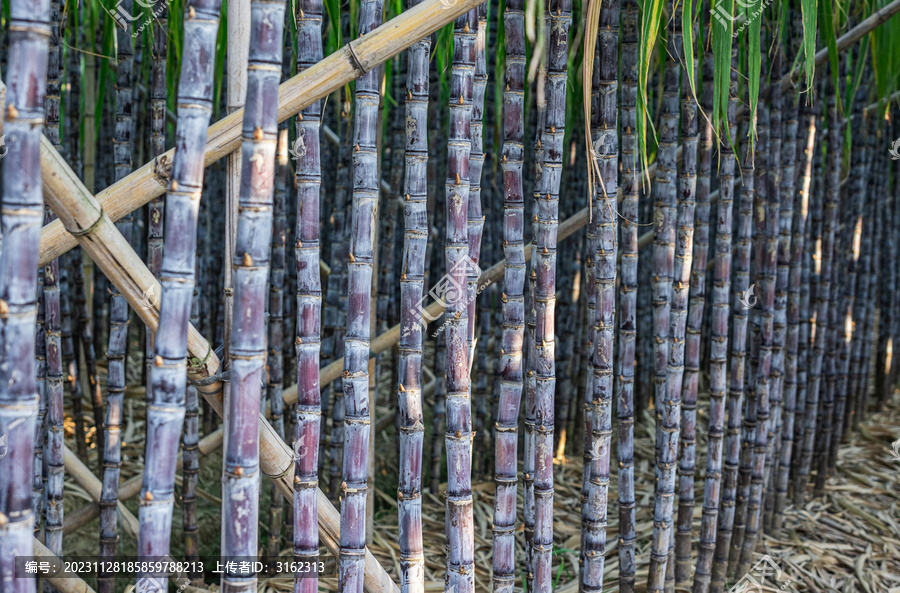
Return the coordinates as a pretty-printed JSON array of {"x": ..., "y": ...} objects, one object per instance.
[
  {"x": 356, "y": 343},
  {"x": 784, "y": 410},
  {"x": 792, "y": 345},
  {"x": 275, "y": 328},
  {"x": 810, "y": 396},
  {"x": 739, "y": 284},
  {"x": 544, "y": 263},
  {"x": 29, "y": 34},
  {"x": 55, "y": 470},
  {"x": 604, "y": 158},
  {"x": 460, "y": 526},
  {"x": 690, "y": 268},
  {"x": 166, "y": 408},
  {"x": 240, "y": 466},
  {"x": 668, "y": 402},
  {"x": 412, "y": 286},
  {"x": 475, "y": 219},
  {"x": 859, "y": 356},
  {"x": 758, "y": 156},
  {"x": 512, "y": 304},
  {"x": 307, "y": 251},
  {"x": 628, "y": 296},
  {"x": 781, "y": 244},
  {"x": 830, "y": 290},
  {"x": 718, "y": 348},
  {"x": 768, "y": 268},
  {"x": 118, "y": 316}
]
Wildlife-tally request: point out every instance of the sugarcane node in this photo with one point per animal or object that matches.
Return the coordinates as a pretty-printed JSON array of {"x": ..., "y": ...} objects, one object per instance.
[
  {"x": 258, "y": 133},
  {"x": 344, "y": 486},
  {"x": 4, "y": 308},
  {"x": 458, "y": 180},
  {"x": 248, "y": 260},
  {"x": 12, "y": 112},
  {"x": 356, "y": 147},
  {"x": 352, "y": 259},
  {"x": 402, "y": 389},
  {"x": 3, "y": 519},
  {"x": 148, "y": 496},
  {"x": 400, "y": 494},
  {"x": 407, "y": 197},
  {"x": 191, "y": 12},
  {"x": 461, "y": 101},
  {"x": 174, "y": 185},
  {"x": 458, "y": 434},
  {"x": 158, "y": 360},
  {"x": 299, "y": 340},
  {"x": 298, "y": 480}
]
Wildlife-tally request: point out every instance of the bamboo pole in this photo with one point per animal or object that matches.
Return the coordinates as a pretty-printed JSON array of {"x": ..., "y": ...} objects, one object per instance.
[{"x": 83, "y": 215}]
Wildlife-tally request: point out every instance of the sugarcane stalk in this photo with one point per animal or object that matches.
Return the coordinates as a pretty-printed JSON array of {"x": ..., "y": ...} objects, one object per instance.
[
  {"x": 355, "y": 378},
  {"x": 785, "y": 408},
  {"x": 829, "y": 289},
  {"x": 778, "y": 277},
  {"x": 118, "y": 315},
  {"x": 767, "y": 155},
  {"x": 166, "y": 410},
  {"x": 307, "y": 249},
  {"x": 412, "y": 285},
  {"x": 792, "y": 346},
  {"x": 460, "y": 525},
  {"x": 740, "y": 282},
  {"x": 156, "y": 210},
  {"x": 690, "y": 288},
  {"x": 603, "y": 157},
  {"x": 718, "y": 345},
  {"x": 512, "y": 303},
  {"x": 754, "y": 383},
  {"x": 22, "y": 214},
  {"x": 810, "y": 395},
  {"x": 667, "y": 397},
  {"x": 240, "y": 477},
  {"x": 631, "y": 176},
  {"x": 55, "y": 471},
  {"x": 474, "y": 216}
]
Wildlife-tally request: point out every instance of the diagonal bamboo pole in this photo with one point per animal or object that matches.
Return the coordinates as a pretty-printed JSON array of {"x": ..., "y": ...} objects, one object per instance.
[
  {"x": 224, "y": 137},
  {"x": 85, "y": 219}
]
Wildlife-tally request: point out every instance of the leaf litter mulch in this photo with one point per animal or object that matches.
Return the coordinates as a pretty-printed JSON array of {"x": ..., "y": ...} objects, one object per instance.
[{"x": 848, "y": 541}]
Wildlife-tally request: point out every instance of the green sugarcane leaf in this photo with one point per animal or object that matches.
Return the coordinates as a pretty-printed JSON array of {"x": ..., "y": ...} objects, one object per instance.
[
  {"x": 808, "y": 8},
  {"x": 651, "y": 19},
  {"x": 687, "y": 26},
  {"x": 722, "y": 26},
  {"x": 754, "y": 57},
  {"x": 827, "y": 17}
]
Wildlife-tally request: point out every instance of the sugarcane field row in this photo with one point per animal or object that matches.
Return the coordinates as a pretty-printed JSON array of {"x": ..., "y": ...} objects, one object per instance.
[{"x": 464, "y": 295}]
